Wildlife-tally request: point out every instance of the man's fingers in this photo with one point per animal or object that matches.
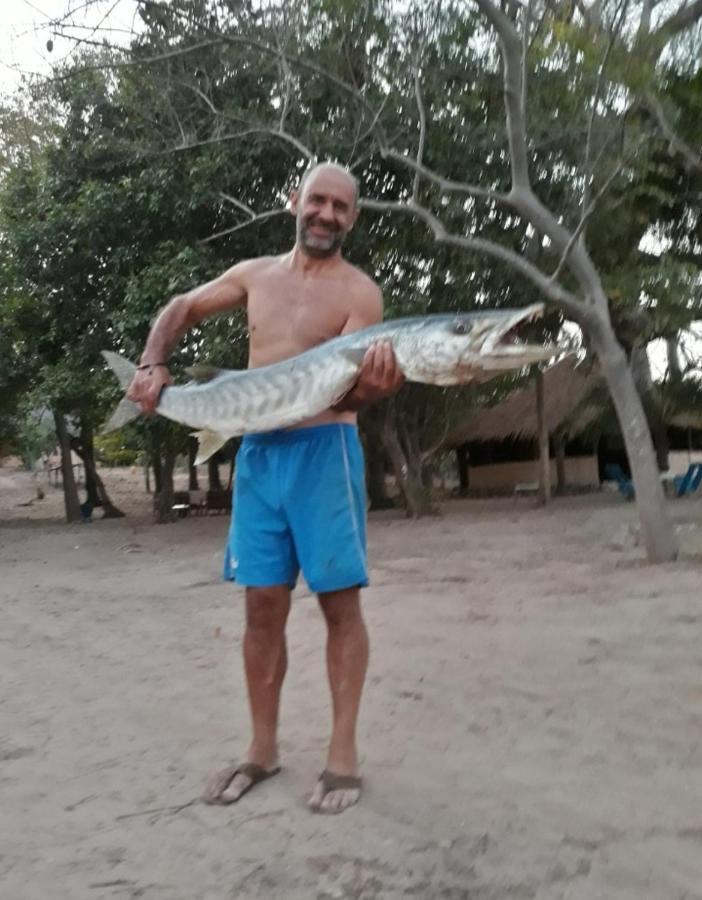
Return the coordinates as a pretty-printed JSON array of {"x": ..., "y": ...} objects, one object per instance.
[
  {"x": 380, "y": 367},
  {"x": 146, "y": 390}
]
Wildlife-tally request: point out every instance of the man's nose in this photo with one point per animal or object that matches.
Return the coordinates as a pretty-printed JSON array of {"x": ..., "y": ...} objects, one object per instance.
[{"x": 326, "y": 213}]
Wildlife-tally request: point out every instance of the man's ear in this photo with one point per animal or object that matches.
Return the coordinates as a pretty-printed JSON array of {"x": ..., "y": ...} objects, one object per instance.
[
  {"x": 293, "y": 203},
  {"x": 354, "y": 218}
]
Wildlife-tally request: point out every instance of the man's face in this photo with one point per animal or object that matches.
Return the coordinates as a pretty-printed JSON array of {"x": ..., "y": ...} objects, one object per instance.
[{"x": 325, "y": 212}]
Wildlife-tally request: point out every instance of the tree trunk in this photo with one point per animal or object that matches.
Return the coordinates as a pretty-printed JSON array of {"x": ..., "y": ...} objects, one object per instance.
[
  {"x": 641, "y": 370},
  {"x": 375, "y": 474},
  {"x": 70, "y": 491},
  {"x": 656, "y": 527},
  {"x": 542, "y": 425},
  {"x": 109, "y": 510},
  {"x": 559, "y": 448},
  {"x": 408, "y": 475},
  {"x": 91, "y": 488},
  {"x": 193, "y": 484},
  {"x": 156, "y": 462},
  {"x": 463, "y": 470},
  {"x": 163, "y": 500},
  {"x": 94, "y": 485},
  {"x": 674, "y": 369},
  {"x": 213, "y": 475}
]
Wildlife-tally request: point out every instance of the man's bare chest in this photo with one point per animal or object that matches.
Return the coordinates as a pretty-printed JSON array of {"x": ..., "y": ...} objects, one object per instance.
[{"x": 288, "y": 316}]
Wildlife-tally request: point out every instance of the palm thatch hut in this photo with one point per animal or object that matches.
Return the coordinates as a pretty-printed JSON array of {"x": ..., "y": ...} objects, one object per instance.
[{"x": 507, "y": 445}]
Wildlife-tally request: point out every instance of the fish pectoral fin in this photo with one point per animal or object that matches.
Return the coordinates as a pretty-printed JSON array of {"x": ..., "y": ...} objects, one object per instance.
[
  {"x": 354, "y": 356},
  {"x": 202, "y": 373},
  {"x": 209, "y": 443}
]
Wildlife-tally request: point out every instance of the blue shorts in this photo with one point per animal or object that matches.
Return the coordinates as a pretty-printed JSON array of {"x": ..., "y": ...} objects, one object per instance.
[{"x": 299, "y": 503}]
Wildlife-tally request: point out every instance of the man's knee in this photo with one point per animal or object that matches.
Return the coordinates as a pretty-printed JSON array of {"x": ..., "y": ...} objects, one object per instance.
[
  {"x": 342, "y": 609},
  {"x": 267, "y": 609}
]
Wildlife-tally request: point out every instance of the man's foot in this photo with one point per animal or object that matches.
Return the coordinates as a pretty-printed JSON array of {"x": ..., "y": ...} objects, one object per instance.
[
  {"x": 335, "y": 793},
  {"x": 232, "y": 783}
]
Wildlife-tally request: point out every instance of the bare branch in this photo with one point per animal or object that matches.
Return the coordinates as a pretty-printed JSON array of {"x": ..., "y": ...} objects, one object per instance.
[
  {"x": 557, "y": 294},
  {"x": 679, "y": 21},
  {"x": 126, "y": 63},
  {"x": 201, "y": 94},
  {"x": 260, "y": 217},
  {"x": 595, "y": 98},
  {"x": 583, "y": 221},
  {"x": 525, "y": 51},
  {"x": 446, "y": 185},
  {"x": 510, "y": 44},
  {"x": 645, "y": 21},
  {"x": 693, "y": 160},
  {"x": 286, "y": 75},
  {"x": 422, "y": 130},
  {"x": 239, "y": 205},
  {"x": 283, "y": 135},
  {"x": 294, "y": 58}
]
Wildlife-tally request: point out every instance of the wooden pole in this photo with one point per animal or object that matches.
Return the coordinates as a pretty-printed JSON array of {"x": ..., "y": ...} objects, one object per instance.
[
  {"x": 559, "y": 448},
  {"x": 70, "y": 491},
  {"x": 544, "y": 460},
  {"x": 463, "y": 470}
]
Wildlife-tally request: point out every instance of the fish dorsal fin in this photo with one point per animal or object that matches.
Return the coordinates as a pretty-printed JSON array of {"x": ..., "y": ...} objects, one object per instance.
[
  {"x": 202, "y": 372},
  {"x": 209, "y": 443}
]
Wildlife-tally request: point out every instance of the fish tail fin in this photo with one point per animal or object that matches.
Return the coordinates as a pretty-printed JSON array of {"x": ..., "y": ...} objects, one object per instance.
[
  {"x": 209, "y": 442},
  {"x": 123, "y": 369},
  {"x": 126, "y": 410}
]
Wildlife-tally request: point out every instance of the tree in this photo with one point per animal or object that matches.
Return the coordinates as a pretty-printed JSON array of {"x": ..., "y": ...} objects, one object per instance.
[
  {"x": 412, "y": 101},
  {"x": 455, "y": 209}
]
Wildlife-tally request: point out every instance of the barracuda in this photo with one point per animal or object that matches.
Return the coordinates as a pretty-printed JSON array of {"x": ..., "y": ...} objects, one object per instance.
[{"x": 439, "y": 349}]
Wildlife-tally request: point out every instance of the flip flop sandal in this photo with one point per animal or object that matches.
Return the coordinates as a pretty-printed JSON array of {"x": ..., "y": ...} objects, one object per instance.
[
  {"x": 331, "y": 782},
  {"x": 221, "y": 781}
]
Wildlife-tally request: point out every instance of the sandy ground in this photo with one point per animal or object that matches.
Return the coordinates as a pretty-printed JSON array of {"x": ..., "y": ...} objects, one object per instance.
[{"x": 531, "y": 728}]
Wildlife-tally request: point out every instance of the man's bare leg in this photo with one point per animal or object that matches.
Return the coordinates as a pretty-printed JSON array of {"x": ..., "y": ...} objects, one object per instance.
[
  {"x": 265, "y": 663},
  {"x": 347, "y": 661}
]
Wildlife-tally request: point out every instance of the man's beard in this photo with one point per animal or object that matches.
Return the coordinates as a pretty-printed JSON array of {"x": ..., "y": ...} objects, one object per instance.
[{"x": 317, "y": 246}]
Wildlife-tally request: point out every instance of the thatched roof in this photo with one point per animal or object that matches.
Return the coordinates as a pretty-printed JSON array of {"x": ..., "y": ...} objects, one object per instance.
[
  {"x": 687, "y": 420},
  {"x": 566, "y": 385}
]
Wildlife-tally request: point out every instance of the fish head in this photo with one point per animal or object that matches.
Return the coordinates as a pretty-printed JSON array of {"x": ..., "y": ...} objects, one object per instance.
[{"x": 468, "y": 347}]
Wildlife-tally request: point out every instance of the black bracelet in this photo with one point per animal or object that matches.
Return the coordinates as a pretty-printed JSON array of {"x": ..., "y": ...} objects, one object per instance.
[{"x": 150, "y": 366}]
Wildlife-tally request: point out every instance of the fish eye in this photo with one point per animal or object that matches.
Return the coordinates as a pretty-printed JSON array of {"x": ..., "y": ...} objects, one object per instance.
[{"x": 460, "y": 328}]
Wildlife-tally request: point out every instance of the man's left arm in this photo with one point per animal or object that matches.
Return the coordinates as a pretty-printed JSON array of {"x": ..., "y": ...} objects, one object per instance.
[{"x": 380, "y": 375}]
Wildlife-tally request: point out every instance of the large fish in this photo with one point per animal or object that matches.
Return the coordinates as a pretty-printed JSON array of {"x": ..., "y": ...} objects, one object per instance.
[{"x": 438, "y": 349}]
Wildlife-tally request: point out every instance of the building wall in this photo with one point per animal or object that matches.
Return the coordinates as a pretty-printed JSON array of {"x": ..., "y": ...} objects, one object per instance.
[
  {"x": 580, "y": 471},
  {"x": 679, "y": 460}
]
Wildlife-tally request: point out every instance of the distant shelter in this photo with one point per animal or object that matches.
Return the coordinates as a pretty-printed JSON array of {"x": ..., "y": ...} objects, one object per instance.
[
  {"x": 501, "y": 449},
  {"x": 497, "y": 448}
]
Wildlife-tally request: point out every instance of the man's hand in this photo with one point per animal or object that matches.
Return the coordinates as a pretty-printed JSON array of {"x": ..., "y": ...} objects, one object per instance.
[
  {"x": 146, "y": 387},
  {"x": 380, "y": 376}
]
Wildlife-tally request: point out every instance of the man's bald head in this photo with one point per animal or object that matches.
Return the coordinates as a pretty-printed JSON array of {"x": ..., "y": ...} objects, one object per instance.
[
  {"x": 320, "y": 168},
  {"x": 325, "y": 207}
]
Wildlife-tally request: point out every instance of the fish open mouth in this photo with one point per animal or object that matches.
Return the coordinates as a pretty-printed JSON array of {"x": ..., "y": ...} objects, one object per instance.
[
  {"x": 504, "y": 348},
  {"x": 504, "y": 336}
]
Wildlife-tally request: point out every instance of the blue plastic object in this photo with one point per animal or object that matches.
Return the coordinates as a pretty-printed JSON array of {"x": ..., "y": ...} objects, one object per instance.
[
  {"x": 614, "y": 472},
  {"x": 690, "y": 481}
]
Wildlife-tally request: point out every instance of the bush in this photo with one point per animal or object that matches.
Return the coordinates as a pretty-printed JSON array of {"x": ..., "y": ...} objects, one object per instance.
[{"x": 113, "y": 450}]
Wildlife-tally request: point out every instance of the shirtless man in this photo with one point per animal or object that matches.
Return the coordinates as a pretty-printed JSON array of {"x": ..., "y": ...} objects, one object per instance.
[{"x": 299, "y": 497}]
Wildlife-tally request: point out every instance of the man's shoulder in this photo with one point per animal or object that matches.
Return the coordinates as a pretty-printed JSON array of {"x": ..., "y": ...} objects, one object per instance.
[
  {"x": 359, "y": 281},
  {"x": 257, "y": 264}
]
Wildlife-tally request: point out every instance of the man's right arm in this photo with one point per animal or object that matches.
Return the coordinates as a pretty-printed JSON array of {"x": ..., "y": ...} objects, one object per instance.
[{"x": 224, "y": 293}]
